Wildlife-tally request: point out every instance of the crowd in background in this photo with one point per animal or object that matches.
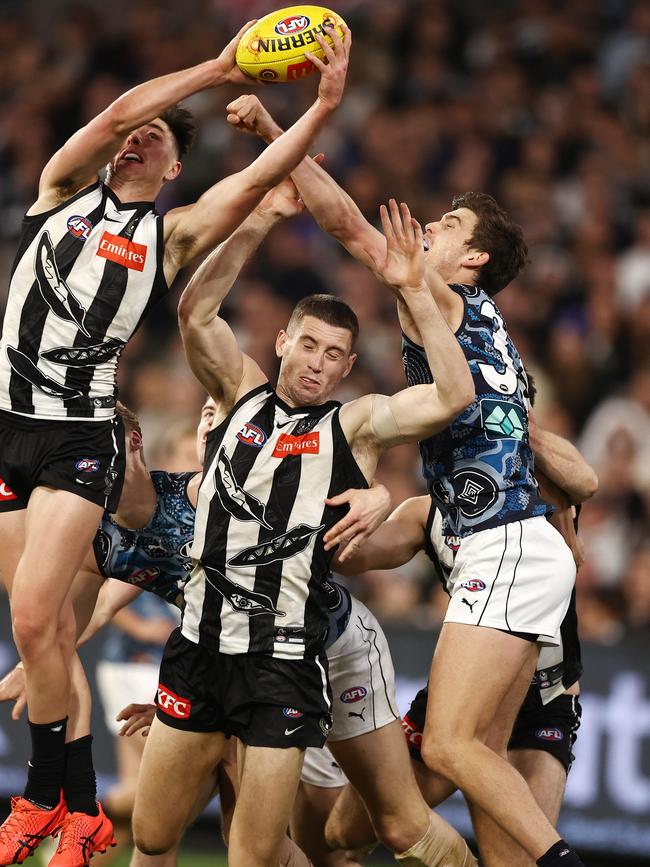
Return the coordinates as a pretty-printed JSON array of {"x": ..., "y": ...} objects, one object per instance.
[{"x": 543, "y": 103}]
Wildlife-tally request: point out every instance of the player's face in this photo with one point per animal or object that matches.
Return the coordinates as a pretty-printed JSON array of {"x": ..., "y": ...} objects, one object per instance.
[
  {"x": 147, "y": 155},
  {"x": 208, "y": 412},
  {"x": 315, "y": 357},
  {"x": 447, "y": 242}
]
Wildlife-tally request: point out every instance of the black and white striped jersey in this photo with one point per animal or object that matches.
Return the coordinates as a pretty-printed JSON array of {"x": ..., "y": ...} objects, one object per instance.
[
  {"x": 85, "y": 274},
  {"x": 259, "y": 578}
]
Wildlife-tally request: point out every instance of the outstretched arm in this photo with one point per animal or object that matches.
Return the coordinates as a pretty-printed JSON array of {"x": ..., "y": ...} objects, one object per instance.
[
  {"x": 210, "y": 345},
  {"x": 420, "y": 411},
  {"x": 332, "y": 208},
  {"x": 76, "y": 164},
  {"x": 191, "y": 231},
  {"x": 337, "y": 213}
]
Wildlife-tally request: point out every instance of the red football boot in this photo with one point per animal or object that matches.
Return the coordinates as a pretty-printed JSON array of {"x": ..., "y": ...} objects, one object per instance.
[
  {"x": 81, "y": 837},
  {"x": 26, "y": 827}
]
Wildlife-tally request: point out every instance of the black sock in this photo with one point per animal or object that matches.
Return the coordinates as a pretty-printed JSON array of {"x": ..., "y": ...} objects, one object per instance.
[
  {"x": 45, "y": 774},
  {"x": 560, "y": 855},
  {"x": 79, "y": 783}
]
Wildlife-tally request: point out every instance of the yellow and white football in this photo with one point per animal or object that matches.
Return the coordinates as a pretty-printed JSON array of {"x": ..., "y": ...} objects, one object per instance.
[{"x": 274, "y": 48}]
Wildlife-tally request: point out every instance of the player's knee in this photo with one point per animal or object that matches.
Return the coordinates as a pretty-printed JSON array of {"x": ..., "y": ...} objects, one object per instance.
[
  {"x": 334, "y": 838},
  {"x": 33, "y": 633},
  {"x": 439, "y": 755},
  {"x": 152, "y": 840},
  {"x": 396, "y": 834}
]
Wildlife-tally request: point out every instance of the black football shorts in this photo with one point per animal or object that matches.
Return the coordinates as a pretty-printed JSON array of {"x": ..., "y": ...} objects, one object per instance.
[
  {"x": 85, "y": 458},
  {"x": 551, "y": 728},
  {"x": 264, "y": 701}
]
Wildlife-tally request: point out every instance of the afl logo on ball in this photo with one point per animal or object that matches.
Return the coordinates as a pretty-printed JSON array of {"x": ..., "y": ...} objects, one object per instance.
[
  {"x": 79, "y": 226},
  {"x": 474, "y": 585},
  {"x": 252, "y": 435},
  {"x": 292, "y": 25},
  {"x": 354, "y": 693}
]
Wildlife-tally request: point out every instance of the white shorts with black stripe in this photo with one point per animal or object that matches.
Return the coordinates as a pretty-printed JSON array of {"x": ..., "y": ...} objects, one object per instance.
[
  {"x": 362, "y": 680},
  {"x": 517, "y": 578}
]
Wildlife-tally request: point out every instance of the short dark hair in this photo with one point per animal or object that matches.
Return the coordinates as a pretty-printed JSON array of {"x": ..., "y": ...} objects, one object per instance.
[
  {"x": 329, "y": 309},
  {"x": 181, "y": 123},
  {"x": 497, "y": 234}
]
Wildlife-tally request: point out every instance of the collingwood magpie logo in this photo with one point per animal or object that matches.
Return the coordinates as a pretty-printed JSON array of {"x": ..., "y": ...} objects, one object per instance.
[
  {"x": 56, "y": 293},
  {"x": 240, "y": 598},
  {"x": 234, "y": 499},
  {"x": 281, "y": 547}
]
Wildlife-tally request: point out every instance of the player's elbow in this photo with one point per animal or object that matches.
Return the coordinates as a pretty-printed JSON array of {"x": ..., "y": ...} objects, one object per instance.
[
  {"x": 119, "y": 122},
  {"x": 589, "y": 485},
  {"x": 459, "y": 398}
]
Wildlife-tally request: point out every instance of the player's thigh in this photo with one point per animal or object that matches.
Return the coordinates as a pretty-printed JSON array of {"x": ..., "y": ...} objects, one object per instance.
[
  {"x": 311, "y": 810},
  {"x": 59, "y": 529},
  {"x": 378, "y": 766},
  {"x": 267, "y": 789},
  {"x": 472, "y": 671},
  {"x": 545, "y": 776},
  {"x": 176, "y": 766},
  {"x": 12, "y": 542},
  {"x": 504, "y": 719}
]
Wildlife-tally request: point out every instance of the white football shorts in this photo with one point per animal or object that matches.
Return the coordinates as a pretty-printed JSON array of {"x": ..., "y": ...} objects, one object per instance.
[{"x": 517, "y": 578}]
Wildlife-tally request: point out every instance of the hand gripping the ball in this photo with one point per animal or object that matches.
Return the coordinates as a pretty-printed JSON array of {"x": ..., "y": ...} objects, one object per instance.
[
  {"x": 334, "y": 67},
  {"x": 226, "y": 64}
]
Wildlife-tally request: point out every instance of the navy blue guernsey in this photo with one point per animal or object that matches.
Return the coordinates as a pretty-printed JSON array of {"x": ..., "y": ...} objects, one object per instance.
[
  {"x": 156, "y": 558},
  {"x": 479, "y": 470}
]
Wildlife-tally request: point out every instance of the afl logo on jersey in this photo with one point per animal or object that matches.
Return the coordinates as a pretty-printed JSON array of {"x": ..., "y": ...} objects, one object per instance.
[
  {"x": 252, "y": 435},
  {"x": 79, "y": 226},
  {"x": 474, "y": 585},
  {"x": 354, "y": 693}
]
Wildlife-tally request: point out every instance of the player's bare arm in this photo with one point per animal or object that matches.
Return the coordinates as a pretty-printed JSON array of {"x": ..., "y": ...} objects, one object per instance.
[
  {"x": 332, "y": 208},
  {"x": 562, "y": 463},
  {"x": 337, "y": 213},
  {"x": 563, "y": 519},
  {"x": 395, "y": 542},
  {"x": 77, "y": 163},
  {"x": 377, "y": 422},
  {"x": 190, "y": 231},
  {"x": 210, "y": 345},
  {"x": 113, "y": 596}
]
